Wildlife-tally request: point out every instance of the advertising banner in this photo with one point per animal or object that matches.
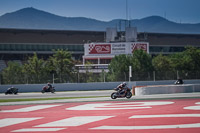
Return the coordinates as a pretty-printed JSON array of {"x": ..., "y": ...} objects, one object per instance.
[
  {"x": 119, "y": 48},
  {"x": 99, "y": 49},
  {"x": 140, "y": 45},
  {"x": 115, "y": 48}
]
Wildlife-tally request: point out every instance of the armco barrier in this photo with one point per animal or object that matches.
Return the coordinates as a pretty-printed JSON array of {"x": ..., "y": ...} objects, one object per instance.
[
  {"x": 63, "y": 87},
  {"x": 167, "y": 89},
  {"x": 89, "y": 86}
]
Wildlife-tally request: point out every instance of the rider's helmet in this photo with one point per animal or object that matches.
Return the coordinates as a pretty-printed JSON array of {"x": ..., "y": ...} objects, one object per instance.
[{"x": 124, "y": 83}]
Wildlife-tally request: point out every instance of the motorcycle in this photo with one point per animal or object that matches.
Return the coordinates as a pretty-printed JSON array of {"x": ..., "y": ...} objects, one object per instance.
[
  {"x": 48, "y": 89},
  {"x": 178, "y": 82},
  {"x": 117, "y": 94},
  {"x": 11, "y": 90}
]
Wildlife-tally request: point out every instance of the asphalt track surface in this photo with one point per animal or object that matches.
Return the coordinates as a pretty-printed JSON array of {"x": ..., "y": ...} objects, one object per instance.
[
  {"x": 57, "y": 94},
  {"x": 103, "y": 95},
  {"x": 168, "y": 113}
]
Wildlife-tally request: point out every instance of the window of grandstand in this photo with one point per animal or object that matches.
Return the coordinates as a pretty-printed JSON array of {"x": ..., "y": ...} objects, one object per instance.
[{"x": 39, "y": 47}]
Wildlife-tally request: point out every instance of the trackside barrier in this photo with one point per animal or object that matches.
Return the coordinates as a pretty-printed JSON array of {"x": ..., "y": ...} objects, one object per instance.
[
  {"x": 63, "y": 87},
  {"x": 166, "y": 89},
  {"x": 89, "y": 86}
]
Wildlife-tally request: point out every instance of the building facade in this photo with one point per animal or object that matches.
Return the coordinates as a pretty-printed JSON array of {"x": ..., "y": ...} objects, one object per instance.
[{"x": 18, "y": 44}]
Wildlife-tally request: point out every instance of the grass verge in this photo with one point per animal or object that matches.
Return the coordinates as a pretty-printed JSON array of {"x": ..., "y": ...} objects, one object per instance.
[{"x": 40, "y": 99}]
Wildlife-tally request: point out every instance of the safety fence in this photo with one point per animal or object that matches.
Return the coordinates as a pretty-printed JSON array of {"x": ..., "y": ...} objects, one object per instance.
[{"x": 89, "y": 77}]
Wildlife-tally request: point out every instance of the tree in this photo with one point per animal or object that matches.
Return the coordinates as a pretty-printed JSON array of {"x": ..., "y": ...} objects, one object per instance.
[
  {"x": 13, "y": 74},
  {"x": 187, "y": 62},
  {"x": 119, "y": 68},
  {"x": 193, "y": 55},
  {"x": 141, "y": 66},
  {"x": 35, "y": 69},
  {"x": 162, "y": 66},
  {"x": 62, "y": 64},
  {"x": 141, "y": 63}
]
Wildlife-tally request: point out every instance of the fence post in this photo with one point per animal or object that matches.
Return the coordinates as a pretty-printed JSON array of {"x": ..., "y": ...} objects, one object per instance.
[
  {"x": 104, "y": 76},
  {"x": 125, "y": 76},
  {"x": 177, "y": 75},
  {"x": 26, "y": 79},
  {"x": 53, "y": 78},
  {"x": 78, "y": 76},
  {"x": 130, "y": 73}
]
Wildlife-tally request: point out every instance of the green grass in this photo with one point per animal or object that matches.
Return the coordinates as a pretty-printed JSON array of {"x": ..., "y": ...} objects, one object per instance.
[{"x": 40, "y": 99}]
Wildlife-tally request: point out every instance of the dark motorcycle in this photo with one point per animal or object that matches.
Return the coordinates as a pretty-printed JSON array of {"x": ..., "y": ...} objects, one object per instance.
[
  {"x": 48, "y": 89},
  {"x": 11, "y": 90},
  {"x": 117, "y": 94},
  {"x": 178, "y": 82}
]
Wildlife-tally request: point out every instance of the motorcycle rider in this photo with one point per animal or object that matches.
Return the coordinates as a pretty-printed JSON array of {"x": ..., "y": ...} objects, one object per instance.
[
  {"x": 12, "y": 90},
  {"x": 49, "y": 86},
  {"x": 122, "y": 88},
  {"x": 179, "y": 81}
]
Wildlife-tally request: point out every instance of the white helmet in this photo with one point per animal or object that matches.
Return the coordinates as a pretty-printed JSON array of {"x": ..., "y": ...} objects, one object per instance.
[{"x": 124, "y": 83}]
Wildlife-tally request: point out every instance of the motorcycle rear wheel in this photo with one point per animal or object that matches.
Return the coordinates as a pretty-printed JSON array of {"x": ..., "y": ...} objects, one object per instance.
[
  {"x": 128, "y": 95},
  {"x": 113, "y": 95}
]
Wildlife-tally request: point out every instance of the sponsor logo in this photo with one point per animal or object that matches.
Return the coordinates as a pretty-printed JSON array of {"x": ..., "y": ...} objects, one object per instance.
[
  {"x": 137, "y": 46},
  {"x": 100, "y": 49}
]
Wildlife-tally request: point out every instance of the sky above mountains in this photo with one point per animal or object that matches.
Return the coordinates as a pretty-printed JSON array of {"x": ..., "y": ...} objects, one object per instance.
[{"x": 180, "y": 11}]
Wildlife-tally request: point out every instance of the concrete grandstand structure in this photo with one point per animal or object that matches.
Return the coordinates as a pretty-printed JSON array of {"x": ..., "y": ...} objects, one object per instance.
[{"x": 18, "y": 44}]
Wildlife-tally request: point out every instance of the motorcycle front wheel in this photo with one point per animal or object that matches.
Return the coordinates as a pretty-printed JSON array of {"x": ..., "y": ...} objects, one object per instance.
[
  {"x": 113, "y": 95},
  {"x": 53, "y": 90},
  {"x": 128, "y": 95}
]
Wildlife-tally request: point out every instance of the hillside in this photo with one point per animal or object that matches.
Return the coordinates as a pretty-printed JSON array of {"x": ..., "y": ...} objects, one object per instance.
[{"x": 31, "y": 18}]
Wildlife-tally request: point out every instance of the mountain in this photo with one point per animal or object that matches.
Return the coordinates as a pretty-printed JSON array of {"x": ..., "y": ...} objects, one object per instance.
[{"x": 31, "y": 18}]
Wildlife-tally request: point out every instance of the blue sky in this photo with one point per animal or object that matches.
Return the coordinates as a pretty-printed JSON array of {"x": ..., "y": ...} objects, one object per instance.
[{"x": 184, "y": 11}]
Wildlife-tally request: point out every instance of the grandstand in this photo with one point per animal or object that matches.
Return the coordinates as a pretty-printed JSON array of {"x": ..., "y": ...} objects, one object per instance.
[{"x": 19, "y": 44}]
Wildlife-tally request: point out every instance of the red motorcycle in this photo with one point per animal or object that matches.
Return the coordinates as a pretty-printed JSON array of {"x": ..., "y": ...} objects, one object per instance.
[{"x": 48, "y": 89}]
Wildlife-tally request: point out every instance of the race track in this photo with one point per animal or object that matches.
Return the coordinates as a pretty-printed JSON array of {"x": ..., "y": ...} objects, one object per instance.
[
  {"x": 105, "y": 93},
  {"x": 141, "y": 116},
  {"x": 57, "y": 94}
]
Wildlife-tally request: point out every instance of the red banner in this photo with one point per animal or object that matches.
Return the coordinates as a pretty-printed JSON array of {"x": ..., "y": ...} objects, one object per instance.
[
  {"x": 100, "y": 49},
  {"x": 137, "y": 46}
]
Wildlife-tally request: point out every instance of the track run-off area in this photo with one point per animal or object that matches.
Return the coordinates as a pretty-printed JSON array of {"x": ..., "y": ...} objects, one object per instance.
[{"x": 138, "y": 116}]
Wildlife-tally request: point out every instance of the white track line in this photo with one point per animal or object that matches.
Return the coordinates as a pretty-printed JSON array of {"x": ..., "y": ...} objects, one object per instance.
[
  {"x": 12, "y": 121},
  {"x": 38, "y": 129},
  {"x": 74, "y": 121},
  {"x": 32, "y": 108}
]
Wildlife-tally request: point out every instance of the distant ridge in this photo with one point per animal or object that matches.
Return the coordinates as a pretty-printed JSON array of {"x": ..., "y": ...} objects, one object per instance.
[{"x": 31, "y": 18}]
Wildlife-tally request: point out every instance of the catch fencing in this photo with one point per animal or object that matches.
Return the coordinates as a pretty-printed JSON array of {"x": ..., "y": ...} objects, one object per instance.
[{"x": 90, "y": 77}]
